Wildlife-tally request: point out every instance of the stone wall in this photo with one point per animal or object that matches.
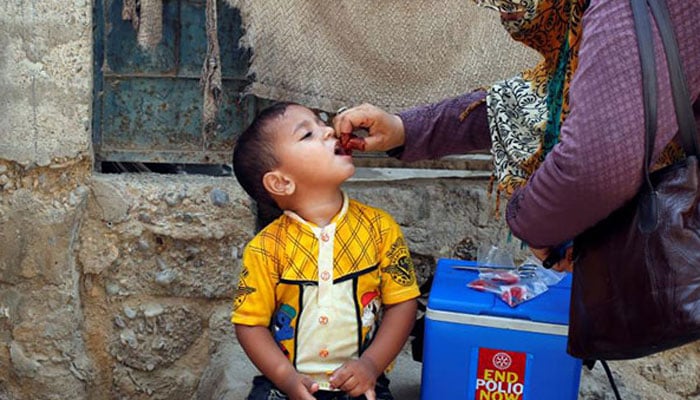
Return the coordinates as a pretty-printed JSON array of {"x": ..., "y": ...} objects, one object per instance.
[
  {"x": 159, "y": 256},
  {"x": 119, "y": 286}
]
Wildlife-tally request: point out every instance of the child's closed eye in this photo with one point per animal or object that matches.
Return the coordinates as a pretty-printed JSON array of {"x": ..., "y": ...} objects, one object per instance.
[{"x": 307, "y": 135}]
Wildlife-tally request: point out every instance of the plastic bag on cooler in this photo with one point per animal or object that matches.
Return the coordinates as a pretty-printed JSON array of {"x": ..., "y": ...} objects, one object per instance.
[{"x": 514, "y": 285}]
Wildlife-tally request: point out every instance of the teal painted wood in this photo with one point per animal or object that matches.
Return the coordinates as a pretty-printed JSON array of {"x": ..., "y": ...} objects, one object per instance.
[{"x": 147, "y": 104}]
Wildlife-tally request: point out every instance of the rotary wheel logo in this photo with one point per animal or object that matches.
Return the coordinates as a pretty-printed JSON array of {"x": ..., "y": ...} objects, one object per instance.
[{"x": 501, "y": 360}]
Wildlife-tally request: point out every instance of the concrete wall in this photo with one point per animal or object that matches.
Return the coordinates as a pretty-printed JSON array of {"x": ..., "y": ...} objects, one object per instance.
[
  {"x": 45, "y": 81},
  {"x": 119, "y": 286}
]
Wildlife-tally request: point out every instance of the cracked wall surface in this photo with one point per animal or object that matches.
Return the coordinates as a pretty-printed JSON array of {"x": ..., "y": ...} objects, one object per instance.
[
  {"x": 120, "y": 286},
  {"x": 45, "y": 80}
]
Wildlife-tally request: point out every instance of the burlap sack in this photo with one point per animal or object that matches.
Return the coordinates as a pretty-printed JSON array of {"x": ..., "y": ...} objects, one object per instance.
[{"x": 392, "y": 53}]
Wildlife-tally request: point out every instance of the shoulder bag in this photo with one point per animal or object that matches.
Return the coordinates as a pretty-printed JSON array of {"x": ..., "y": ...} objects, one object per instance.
[{"x": 636, "y": 279}]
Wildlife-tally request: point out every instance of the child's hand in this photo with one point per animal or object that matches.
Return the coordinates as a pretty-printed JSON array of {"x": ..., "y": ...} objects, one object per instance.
[
  {"x": 356, "y": 377},
  {"x": 299, "y": 387}
]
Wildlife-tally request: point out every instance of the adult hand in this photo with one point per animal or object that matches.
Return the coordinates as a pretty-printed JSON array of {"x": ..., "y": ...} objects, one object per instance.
[
  {"x": 565, "y": 263},
  {"x": 356, "y": 377},
  {"x": 299, "y": 387},
  {"x": 385, "y": 130}
]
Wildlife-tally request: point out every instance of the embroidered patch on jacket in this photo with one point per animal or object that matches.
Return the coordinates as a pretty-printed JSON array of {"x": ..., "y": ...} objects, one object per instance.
[
  {"x": 242, "y": 290},
  {"x": 401, "y": 266}
]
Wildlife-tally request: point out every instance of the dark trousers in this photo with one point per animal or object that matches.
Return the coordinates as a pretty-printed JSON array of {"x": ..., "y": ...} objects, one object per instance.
[{"x": 263, "y": 389}]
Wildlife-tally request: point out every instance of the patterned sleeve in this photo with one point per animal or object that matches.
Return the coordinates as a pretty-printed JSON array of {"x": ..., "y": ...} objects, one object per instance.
[
  {"x": 398, "y": 276},
  {"x": 455, "y": 125},
  {"x": 254, "y": 300},
  {"x": 597, "y": 166}
]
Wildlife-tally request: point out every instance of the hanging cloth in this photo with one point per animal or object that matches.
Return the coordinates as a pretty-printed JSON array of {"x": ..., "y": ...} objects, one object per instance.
[{"x": 146, "y": 17}]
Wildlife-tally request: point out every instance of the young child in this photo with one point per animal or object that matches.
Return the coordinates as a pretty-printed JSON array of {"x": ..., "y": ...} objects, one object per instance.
[{"x": 315, "y": 282}]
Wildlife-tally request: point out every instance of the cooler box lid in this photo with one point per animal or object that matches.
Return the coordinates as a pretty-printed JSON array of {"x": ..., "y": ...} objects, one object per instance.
[{"x": 450, "y": 293}]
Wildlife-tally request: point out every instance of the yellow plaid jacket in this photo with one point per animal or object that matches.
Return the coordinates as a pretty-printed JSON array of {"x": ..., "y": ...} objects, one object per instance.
[{"x": 321, "y": 290}]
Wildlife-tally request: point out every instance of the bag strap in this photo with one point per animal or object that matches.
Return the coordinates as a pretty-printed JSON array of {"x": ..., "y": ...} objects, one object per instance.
[
  {"x": 679, "y": 85},
  {"x": 645, "y": 42},
  {"x": 648, "y": 209}
]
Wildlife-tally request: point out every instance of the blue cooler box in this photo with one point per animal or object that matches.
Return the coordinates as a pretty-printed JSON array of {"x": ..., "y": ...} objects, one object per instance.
[{"x": 477, "y": 347}]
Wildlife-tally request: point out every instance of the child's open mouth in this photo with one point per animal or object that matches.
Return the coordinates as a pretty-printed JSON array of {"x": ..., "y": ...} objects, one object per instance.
[
  {"x": 341, "y": 151},
  {"x": 349, "y": 142}
]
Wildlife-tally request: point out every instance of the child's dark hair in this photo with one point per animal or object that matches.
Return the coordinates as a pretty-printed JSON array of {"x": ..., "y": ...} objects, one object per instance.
[{"x": 254, "y": 156}]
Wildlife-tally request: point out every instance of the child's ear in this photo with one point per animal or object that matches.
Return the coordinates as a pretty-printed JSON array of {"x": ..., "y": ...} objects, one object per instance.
[{"x": 278, "y": 184}]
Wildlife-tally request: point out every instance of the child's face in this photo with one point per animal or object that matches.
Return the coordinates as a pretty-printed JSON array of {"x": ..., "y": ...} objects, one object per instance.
[{"x": 308, "y": 150}]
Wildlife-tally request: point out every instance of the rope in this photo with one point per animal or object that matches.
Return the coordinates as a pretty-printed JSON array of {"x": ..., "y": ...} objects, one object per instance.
[{"x": 211, "y": 75}]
